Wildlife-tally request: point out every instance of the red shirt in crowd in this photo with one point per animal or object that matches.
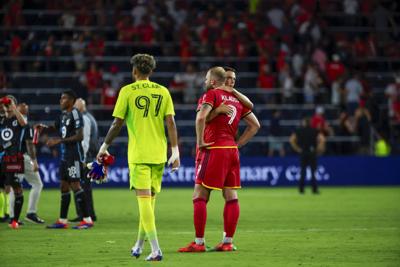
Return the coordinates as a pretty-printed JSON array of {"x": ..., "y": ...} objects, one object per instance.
[
  {"x": 266, "y": 81},
  {"x": 109, "y": 96},
  {"x": 145, "y": 32},
  {"x": 93, "y": 79},
  {"x": 96, "y": 47},
  {"x": 334, "y": 70},
  {"x": 318, "y": 122},
  {"x": 15, "y": 46}
]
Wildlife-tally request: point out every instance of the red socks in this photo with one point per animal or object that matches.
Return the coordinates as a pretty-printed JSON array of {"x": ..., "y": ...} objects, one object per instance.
[
  {"x": 200, "y": 216},
  {"x": 231, "y": 217}
]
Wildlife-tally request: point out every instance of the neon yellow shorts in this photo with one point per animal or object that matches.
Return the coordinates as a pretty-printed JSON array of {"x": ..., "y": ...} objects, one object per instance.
[{"x": 146, "y": 176}]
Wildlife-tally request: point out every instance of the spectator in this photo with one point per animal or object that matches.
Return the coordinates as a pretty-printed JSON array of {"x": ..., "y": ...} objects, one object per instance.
[
  {"x": 138, "y": 12},
  {"x": 145, "y": 31},
  {"x": 334, "y": 69},
  {"x": 67, "y": 20},
  {"x": 312, "y": 83},
  {"x": 13, "y": 16},
  {"x": 126, "y": 30},
  {"x": 188, "y": 83},
  {"x": 392, "y": 93},
  {"x": 276, "y": 16},
  {"x": 319, "y": 122},
  {"x": 267, "y": 81},
  {"x": 363, "y": 129},
  {"x": 319, "y": 57},
  {"x": 114, "y": 76},
  {"x": 96, "y": 46},
  {"x": 109, "y": 95},
  {"x": 92, "y": 80},
  {"x": 287, "y": 85},
  {"x": 345, "y": 129},
  {"x": 224, "y": 45},
  {"x": 78, "y": 51},
  {"x": 177, "y": 11},
  {"x": 275, "y": 133},
  {"x": 298, "y": 64},
  {"x": 83, "y": 18},
  {"x": 338, "y": 93},
  {"x": 50, "y": 52},
  {"x": 353, "y": 89},
  {"x": 350, "y": 7}
]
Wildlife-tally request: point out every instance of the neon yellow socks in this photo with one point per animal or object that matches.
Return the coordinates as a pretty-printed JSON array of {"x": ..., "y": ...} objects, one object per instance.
[{"x": 147, "y": 220}]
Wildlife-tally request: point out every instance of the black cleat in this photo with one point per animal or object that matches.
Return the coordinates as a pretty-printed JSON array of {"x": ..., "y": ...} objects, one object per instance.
[
  {"x": 33, "y": 218},
  {"x": 5, "y": 219}
]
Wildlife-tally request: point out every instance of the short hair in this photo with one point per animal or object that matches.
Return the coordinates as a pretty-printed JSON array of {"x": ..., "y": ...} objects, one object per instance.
[
  {"x": 71, "y": 94},
  {"x": 144, "y": 63},
  {"x": 12, "y": 98},
  {"x": 226, "y": 68},
  {"x": 218, "y": 73}
]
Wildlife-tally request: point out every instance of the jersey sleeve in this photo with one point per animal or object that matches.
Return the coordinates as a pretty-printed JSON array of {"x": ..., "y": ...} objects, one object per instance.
[
  {"x": 78, "y": 120},
  {"x": 209, "y": 98},
  {"x": 245, "y": 112},
  {"x": 121, "y": 107},
  {"x": 169, "y": 107}
]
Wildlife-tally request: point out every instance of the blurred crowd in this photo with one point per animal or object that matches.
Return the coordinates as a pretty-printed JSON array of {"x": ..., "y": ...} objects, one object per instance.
[{"x": 300, "y": 57}]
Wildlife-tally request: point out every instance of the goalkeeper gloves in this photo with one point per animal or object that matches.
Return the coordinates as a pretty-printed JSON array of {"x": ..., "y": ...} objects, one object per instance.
[
  {"x": 99, "y": 169},
  {"x": 174, "y": 157}
]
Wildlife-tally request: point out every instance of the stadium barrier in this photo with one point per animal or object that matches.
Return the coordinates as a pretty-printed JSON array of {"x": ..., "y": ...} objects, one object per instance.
[{"x": 263, "y": 171}]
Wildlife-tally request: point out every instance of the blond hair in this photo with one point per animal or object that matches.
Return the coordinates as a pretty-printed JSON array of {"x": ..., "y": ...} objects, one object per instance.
[{"x": 218, "y": 74}]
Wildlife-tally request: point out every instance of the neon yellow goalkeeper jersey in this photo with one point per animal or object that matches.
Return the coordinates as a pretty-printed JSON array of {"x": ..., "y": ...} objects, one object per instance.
[{"x": 143, "y": 105}]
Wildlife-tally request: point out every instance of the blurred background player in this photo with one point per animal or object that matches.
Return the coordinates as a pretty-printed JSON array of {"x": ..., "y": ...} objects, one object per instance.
[
  {"x": 70, "y": 129},
  {"x": 308, "y": 142},
  {"x": 31, "y": 172},
  {"x": 4, "y": 198},
  {"x": 13, "y": 136},
  {"x": 90, "y": 145},
  {"x": 145, "y": 106},
  {"x": 219, "y": 166}
]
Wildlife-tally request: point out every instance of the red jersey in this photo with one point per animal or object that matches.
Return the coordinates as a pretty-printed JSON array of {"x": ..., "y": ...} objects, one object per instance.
[{"x": 223, "y": 128}]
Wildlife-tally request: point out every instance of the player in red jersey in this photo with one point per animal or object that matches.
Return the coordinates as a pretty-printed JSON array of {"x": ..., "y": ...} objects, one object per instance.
[
  {"x": 230, "y": 75},
  {"x": 219, "y": 167}
]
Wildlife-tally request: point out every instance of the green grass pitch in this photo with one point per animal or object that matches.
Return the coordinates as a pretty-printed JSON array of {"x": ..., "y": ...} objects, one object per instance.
[{"x": 277, "y": 227}]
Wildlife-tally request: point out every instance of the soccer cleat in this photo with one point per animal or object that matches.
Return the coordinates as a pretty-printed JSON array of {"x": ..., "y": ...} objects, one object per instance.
[
  {"x": 20, "y": 223},
  {"x": 57, "y": 225},
  {"x": 225, "y": 247},
  {"x": 14, "y": 225},
  {"x": 32, "y": 217},
  {"x": 5, "y": 219},
  {"x": 157, "y": 257},
  {"x": 193, "y": 247},
  {"x": 83, "y": 225},
  {"x": 136, "y": 252}
]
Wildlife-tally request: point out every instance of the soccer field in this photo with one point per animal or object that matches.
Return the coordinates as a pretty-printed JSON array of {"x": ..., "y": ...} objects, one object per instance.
[{"x": 277, "y": 227}]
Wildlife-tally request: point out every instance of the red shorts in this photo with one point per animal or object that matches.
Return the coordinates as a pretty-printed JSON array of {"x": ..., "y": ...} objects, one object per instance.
[{"x": 218, "y": 168}]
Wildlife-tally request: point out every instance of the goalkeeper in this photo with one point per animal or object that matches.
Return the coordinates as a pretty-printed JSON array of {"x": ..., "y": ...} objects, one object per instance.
[{"x": 144, "y": 106}]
